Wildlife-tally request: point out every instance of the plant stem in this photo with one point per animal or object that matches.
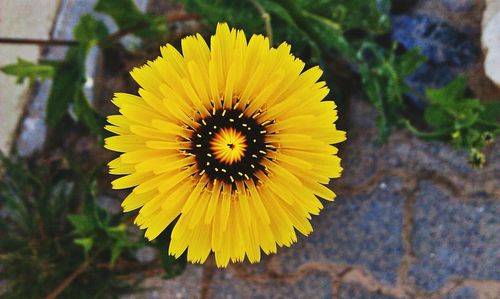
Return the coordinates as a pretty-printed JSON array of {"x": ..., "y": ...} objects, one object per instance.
[
  {"x": 267, "y": 19},
  {"x": 68, "y": 280},
  {"x": 40, "y": 42}
]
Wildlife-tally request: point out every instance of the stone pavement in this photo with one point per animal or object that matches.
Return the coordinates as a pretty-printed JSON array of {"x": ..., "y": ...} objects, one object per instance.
[{"x": 412, "y": 220}]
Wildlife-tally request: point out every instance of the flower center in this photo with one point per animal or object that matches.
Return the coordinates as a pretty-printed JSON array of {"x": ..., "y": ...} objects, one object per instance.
[{"x": 228, "y": 145}]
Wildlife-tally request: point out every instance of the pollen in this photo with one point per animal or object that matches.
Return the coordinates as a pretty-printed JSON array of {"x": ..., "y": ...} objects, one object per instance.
[{"x": 228, "y": 145}]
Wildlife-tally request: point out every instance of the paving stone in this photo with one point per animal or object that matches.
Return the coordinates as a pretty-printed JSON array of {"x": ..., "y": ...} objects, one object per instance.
[
  {"x": 460, "y": 5},
  {"x": 186, "y": 285},
  {"x": 226, "y": 284},
  {"x": 449, "y": 50},
  {"x": 359, "y": 151},
  {"x": 462, "y": 293},
  {"x": 356, "y": 291},
  {"x": 428, "y": 75},
  {"x": 363, "y": 230},
  {"x": 454, "y": 238},
  {"x": 362, "y": 157},
  {"x": 439, "y": 41},
  {"x": 257, "y": 268}
]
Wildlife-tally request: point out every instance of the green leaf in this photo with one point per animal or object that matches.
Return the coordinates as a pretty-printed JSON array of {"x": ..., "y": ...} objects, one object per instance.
[
  {"x": 128, "y": 17},
  {"x": 438, "y": 118},
  {"x": 94, "y": 121},
  {"x": 470, "y": 123},
  {"x": 448, "y": 94},
  {"x": 382, "y": 75},
  {"x": 491, "y": 112},
  {"x": 90, "y": 31},
  {"x": 410, "y": 61},
  {"x": 436, "y": 135},
  {"x": 83, "y": 225},
  {"x": 68, "y": 79},
  {"x": 86, "y": 243},
  {"x": 25, "y": 69},
  {"x": 116, "y": 251},
  {"x": 327, "y": 33},
  {"x": 355, "y": 14},
  {"x": 69, "y": 76}
]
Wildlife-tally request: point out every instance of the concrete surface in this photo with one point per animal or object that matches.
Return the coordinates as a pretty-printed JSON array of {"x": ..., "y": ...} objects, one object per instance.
[{"x": 20, "y": 19}]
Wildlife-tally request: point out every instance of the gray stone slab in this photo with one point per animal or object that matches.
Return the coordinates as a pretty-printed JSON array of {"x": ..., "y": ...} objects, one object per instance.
[
  {"x": 186, "y": 285},
  {"x": 462, "y": 293},
  {"x": 363, "y": 230},
  {"x": 356, "y": 291},
  {"x": 454, "y": 237},
  {"x": 226, "y": 284}
]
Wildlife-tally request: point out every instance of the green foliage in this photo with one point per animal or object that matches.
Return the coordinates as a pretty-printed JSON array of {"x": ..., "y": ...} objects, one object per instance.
[
  {"x": 382, "y": 75},
  {"x": 90, "y": 31},
  {"x": 49, "y": 219},
  {"x": 69, "y": 77},
  {"x": 25, "y": 69},
  {"x": 464, "y": 122},
  {"x": 93, "y": 120},
  {"x": 95, "y": 226},
  {"x": 67, "y": 81},
  {"x": 129, "y": 18},
  {"x": 53, "y": 228}
]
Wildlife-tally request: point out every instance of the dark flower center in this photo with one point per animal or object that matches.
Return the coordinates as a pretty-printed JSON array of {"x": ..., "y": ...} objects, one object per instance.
[{"x": 229, "y": 146}]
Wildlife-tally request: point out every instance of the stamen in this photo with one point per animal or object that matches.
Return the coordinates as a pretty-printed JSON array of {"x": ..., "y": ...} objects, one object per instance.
[{"x": 224, "y": 149}]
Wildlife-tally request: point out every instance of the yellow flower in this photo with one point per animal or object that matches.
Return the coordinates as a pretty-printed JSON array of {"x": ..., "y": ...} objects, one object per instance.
[{"x": 232, "y": 140}]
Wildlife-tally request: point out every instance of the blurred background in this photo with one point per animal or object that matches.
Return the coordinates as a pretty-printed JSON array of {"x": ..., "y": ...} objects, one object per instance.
[{"x": 417, "y": 83}]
